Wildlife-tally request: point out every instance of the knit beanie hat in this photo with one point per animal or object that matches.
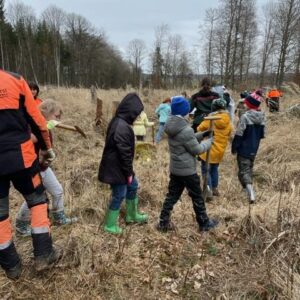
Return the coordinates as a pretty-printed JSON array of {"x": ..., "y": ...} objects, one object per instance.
[
  {"x": 218, "y": 104},
  {"x": 244, "y": 94},
  {"x": 180, "y": 106},
  {"x": 253, "y": 101}
]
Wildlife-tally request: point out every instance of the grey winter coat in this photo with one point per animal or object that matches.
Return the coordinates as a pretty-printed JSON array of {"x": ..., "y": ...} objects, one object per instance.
[{"x": 184, "y": 146}]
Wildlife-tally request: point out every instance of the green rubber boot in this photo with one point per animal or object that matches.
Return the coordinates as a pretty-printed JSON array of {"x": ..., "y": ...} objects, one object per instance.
[
  {"x": 132, "y": 213},
  {"x": 111, "y": 222}
]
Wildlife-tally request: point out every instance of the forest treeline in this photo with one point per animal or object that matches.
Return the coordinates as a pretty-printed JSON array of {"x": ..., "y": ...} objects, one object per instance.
[
  {"x": 58, "y": 48},
  {"x": 239, "y": 42}
]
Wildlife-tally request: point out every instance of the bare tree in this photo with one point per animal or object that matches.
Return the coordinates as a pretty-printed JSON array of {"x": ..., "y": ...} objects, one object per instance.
[
  {"x": 287, "y": 23},
  {"x": 23, "y": 19},
  {"x": 296, "y": 60},
  {"x": 136, "y": 54},
  {"x": 55, "y": 19},
  {"x": 211, "y": 16},
  {"x": 161, "y": 34},
  {"x": 268, "y": 37}
]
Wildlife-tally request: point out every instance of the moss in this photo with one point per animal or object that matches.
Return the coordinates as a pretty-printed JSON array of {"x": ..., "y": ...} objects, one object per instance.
[{"x": 145, "y": 151}]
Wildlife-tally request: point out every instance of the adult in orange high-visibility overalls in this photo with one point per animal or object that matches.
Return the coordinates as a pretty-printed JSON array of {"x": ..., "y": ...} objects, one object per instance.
[
  {"x": 273, "y": 100},
  {"x": 19, "y": 116}
]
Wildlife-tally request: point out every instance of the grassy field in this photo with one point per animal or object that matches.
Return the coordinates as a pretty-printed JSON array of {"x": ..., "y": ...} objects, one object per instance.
[{"x": 253, "y": 254}]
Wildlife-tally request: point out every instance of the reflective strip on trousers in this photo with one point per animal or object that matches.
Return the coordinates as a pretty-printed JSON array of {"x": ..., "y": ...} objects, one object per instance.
[
  {"x": 5, "y": 245},
  {"x": 38, "y": 230}
]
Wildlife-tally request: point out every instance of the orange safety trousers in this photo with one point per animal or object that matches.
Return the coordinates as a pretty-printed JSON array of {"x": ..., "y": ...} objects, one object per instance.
[{"x": 28, "y": 183}]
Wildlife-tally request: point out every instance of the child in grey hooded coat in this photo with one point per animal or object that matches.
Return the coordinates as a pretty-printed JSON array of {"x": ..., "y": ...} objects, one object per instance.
[{"x": 184, "y": 148}]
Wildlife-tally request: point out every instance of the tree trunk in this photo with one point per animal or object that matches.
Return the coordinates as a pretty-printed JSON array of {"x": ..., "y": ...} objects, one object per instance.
[{"x": 1, "y": 49}]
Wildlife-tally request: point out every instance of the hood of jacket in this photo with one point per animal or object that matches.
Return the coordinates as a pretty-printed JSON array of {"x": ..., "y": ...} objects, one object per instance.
[
  {"x": 130, "y": 108},
  {"x": 255, "y": 116},
  {"x": 174, "y": 125}
]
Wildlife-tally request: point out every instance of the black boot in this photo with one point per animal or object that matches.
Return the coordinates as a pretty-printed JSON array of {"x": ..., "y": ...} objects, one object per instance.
[
  {"x": 210, "y": 224},
  {"x": 164, "y": 226},
  {"x": 10, "y": 262},
  {"x": 44, "y": 262},
  {"x": 14, "y": 273}
]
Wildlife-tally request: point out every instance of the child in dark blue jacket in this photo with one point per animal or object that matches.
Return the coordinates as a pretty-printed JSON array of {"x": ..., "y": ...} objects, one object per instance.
[{"x": 250, "y": 130}]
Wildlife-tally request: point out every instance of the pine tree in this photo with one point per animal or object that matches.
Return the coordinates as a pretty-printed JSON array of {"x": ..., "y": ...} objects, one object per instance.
[{"x": 2, "y": 28}]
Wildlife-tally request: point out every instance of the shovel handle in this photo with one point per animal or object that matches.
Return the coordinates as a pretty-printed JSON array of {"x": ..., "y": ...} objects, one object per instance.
[
  {"x": 71, "y": 128},
  {"x": 205, "y": 181}
]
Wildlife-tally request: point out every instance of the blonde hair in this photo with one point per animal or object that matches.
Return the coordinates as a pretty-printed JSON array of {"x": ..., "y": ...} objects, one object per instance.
[{"x": 49, "y": 107}]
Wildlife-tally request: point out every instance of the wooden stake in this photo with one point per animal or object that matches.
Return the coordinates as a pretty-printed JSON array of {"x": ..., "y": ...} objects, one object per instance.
[
  {"x": 93, "y": 94},
  {"x": 99, "y": 112}
]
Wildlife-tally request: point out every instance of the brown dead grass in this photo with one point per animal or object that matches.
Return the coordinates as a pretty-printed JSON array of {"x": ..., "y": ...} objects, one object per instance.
[{"x": 253, "y": 254}]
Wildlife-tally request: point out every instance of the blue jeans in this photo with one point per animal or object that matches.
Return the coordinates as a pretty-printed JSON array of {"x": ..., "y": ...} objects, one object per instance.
[
  {"x": 120, "y": 191},
  {"x": 160, "y": 132},
  {"x": 213, "y": 178}
]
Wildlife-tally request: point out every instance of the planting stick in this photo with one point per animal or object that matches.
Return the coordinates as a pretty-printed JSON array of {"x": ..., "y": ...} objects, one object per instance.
[
  {"x": 71, "y": 128},
  {"x": 207, "y": 166},
  {"x": 153, "y": 134}
]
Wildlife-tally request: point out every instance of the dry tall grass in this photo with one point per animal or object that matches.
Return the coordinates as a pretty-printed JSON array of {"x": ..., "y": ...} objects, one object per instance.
[{"x": 253, "y": 254}]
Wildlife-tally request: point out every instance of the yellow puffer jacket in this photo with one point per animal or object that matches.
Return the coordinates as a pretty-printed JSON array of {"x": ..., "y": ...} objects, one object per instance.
[
  {"x": 140, "y": 124},
  {"x": 222, "y": 132}
]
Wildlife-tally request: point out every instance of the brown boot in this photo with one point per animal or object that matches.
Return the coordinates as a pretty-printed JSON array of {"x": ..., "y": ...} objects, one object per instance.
[{"x": 215, "y": 192}]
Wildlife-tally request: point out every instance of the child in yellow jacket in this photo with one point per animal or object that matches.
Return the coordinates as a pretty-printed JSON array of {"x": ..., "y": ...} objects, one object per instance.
[
  {"x": 222, "y": 132},
  {"x": 139, "y": 126}
]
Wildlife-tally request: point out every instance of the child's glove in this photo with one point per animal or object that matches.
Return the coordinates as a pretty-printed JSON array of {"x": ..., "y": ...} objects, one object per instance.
[
  {"x": 207, "y": 133},
  {"x": 206, "y": 145},
  {"x": 129, "y": 180},
  {"x": 52, "y": 124}
]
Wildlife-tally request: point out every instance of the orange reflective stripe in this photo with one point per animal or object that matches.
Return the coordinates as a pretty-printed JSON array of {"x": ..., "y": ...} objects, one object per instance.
[
  {"x": 39, "y": 216},
  {"x": 36, "y": 180},
  {"x": 28, "y": 153},
  {"x": 5, "y": 231}
]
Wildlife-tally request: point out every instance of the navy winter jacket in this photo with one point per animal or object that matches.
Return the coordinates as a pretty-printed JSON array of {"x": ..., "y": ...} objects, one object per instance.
[{"x": 250, "y": 130}]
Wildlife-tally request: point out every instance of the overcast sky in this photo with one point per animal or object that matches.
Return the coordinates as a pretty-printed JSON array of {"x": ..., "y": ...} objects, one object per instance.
[{"x": 124, "y": 20}]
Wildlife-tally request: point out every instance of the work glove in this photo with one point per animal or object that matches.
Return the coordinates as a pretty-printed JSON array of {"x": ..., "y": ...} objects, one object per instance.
[
  {"x": 50, "y": 155},
  {"x": 207, "y": 133},
  {"x": 206, "y": 145},
  {"x": 129, "y": 180},
  {"x": 201, "y": 135}
]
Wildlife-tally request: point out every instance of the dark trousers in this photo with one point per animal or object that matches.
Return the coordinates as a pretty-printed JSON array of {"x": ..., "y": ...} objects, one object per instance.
[
  {"x": 122, "y": 191},
  {"x": 28, "y": 183},
  {"x": 273, "y": 104},
  {"x": 140, "y": 138},
  {"x": 213, "y": 178},
  {"x": 176, "y": 187},
  {"x": 245, "y": 173}
]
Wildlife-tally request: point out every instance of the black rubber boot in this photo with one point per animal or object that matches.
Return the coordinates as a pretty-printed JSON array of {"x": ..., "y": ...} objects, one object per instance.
[
  {"x": 210, "y": 224},
  {"x": 10, "y": 262}
]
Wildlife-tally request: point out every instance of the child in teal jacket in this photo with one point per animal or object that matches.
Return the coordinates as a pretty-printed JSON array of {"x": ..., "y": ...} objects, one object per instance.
[{"x": 163, "y": 112}]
